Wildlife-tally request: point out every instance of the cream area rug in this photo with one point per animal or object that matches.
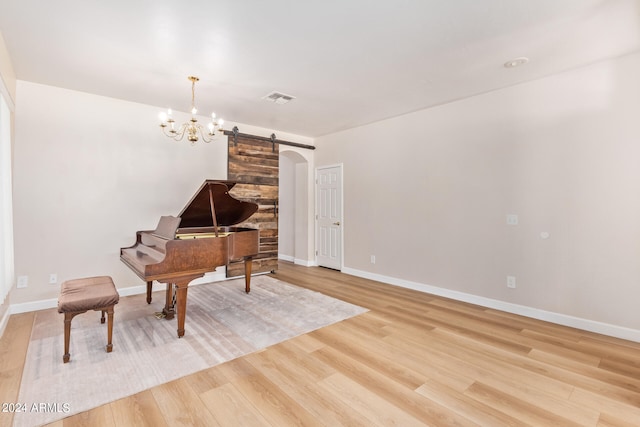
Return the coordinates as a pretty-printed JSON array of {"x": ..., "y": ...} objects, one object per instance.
[{"x": 222, "y": 323}]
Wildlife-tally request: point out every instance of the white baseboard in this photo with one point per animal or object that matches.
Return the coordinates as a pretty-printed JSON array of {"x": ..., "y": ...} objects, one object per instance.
[
  {"x": 558, "y": 318},
  {"x": 213, "y": 276},
  {"x": 297, "y": 261},
  {"x": 53, "y": 302},
  {"x": 25, "y": 307}
]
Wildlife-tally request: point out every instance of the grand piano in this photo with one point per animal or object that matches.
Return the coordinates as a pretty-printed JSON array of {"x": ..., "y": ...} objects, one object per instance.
[{"x": 198, "y": 240}]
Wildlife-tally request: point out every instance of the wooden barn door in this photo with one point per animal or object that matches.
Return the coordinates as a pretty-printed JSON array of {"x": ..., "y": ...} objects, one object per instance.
[{"x": 254, "y": 164}]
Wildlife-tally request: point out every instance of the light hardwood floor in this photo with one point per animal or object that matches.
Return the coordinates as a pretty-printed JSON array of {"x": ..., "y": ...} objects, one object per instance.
[{"x": 413, "y": 359}]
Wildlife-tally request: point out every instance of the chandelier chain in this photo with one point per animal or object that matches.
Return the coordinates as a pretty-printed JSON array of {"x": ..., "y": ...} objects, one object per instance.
[{"x": 193, "y": 91}]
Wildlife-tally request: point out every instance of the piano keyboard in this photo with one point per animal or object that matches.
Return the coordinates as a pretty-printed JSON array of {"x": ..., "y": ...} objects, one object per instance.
[{"x": 185, "y": 236}]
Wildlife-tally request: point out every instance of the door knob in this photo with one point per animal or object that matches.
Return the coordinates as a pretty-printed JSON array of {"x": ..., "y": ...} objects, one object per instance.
[{"x": 336, "y": 223}]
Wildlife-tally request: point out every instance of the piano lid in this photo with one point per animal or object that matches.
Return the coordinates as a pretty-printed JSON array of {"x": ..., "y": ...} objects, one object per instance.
[{"x": 229, "y": 211}]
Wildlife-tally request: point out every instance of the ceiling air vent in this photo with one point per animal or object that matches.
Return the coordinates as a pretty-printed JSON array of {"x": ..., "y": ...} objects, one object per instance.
[{"x": 278, "y": 98}]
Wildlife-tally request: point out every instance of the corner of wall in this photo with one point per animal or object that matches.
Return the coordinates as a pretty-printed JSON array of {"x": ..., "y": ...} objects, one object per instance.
[
  {"x": 7, "y": 74},
  {"x": 5, "y": 312}
]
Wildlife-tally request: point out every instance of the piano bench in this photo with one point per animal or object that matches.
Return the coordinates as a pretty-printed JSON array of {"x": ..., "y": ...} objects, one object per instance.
[{"x": 80, "y": 295}]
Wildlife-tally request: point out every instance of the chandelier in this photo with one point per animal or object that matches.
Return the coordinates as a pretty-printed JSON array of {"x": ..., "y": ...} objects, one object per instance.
[{"x": 192, "y": 128}]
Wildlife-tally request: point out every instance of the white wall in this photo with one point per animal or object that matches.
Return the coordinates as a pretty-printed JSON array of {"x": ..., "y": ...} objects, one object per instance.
[
  {"x": 89, "y": 172},
  {"x": 428, "y": 194}
]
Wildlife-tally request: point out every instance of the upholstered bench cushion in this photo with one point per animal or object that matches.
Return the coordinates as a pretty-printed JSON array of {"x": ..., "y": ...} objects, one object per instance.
[{"x": 87, "y": 294}]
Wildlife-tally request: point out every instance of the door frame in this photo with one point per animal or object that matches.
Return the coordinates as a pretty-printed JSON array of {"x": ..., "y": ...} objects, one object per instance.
[{"x": 342, "y": 222}]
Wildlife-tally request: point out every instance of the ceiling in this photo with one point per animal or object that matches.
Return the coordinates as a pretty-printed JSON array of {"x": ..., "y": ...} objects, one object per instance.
[{"x": 347, "y": 62}]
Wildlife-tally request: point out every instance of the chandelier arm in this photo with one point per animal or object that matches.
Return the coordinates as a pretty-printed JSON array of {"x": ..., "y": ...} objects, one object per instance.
[
  {"x": 177, "y": 135},
  {"x": 200, "y": 130}
]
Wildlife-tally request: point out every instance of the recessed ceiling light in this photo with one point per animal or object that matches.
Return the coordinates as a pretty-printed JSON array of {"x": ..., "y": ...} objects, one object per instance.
[
  {"x": 516, "y": 62},
  {"x": 278, "y": 97}
]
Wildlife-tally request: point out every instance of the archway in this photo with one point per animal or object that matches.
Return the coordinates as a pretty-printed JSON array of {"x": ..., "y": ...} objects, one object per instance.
[{"x": 295, "y": 209}]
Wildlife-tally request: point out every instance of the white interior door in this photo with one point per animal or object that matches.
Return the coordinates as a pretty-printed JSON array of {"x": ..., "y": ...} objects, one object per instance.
[{"x": 329, "y": 217}]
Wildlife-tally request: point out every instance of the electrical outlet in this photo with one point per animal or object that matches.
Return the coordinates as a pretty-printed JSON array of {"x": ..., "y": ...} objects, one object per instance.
[
  {"x": 373, "y": 259},
  {"x": 512, "y": 219},
  {"x": 53, "y": 278},
  {"x": 23, "y": 281},
  {"x": 511, "y": 282}
]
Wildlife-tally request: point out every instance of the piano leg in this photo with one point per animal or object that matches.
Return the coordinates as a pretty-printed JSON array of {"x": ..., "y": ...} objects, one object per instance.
[
  {"x": 149, "y": 287},
  {"x": 169, "y": 309},
  {"x": 181, "y": 300},
  {"x": 180, "y": 307},
  {"x": 247, "y": 274}
]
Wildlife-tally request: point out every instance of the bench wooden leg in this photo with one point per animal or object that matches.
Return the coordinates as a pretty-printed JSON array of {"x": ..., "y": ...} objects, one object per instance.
[
  {"x": 67, "y": 336},
  {"x": 109, "y": 328},
  {"x": 67, "y": 333}
]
